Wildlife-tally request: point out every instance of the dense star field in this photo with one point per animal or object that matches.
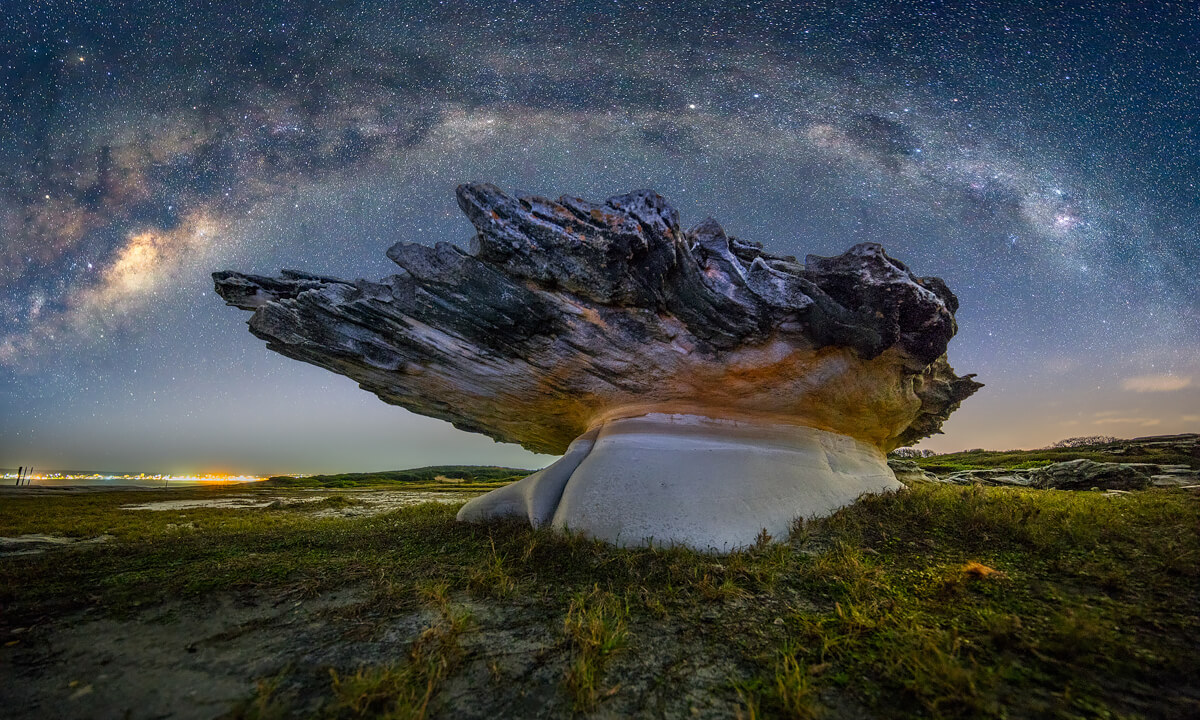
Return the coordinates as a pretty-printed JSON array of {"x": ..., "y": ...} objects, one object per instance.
[{"x": 1044, "y": 162}]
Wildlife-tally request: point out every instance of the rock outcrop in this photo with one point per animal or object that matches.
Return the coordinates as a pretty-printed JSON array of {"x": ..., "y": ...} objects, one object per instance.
[
  {"x": 568, "y": 319},
  {"x": 1086, "y": 474},
  {"x": 996, "y": 476},
  {"x": 1182, "y": 444},
  {"x": 1081, "y": 474},
  {"x": 910, "y": 473}
]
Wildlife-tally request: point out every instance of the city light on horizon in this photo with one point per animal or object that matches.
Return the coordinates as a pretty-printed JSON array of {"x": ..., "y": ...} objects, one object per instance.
[{"x": 213, "y": 478}]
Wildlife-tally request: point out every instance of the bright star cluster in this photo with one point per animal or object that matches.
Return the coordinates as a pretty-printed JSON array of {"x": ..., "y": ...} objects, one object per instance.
[{"x": 1043, "y": 159}]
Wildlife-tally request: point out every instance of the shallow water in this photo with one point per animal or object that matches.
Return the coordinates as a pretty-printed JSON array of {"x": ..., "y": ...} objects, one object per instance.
[
  {"x": 36, "y": 543},
  {"x": 362, "y": 502}
]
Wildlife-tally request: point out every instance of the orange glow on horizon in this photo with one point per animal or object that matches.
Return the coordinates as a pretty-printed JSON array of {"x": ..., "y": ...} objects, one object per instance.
[{"x": 163, "y": 477}]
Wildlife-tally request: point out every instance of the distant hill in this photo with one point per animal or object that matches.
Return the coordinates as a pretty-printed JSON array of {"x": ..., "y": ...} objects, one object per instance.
[
  {"x": 1160, "y": 449},
  {"x": 450, "y": 475}
]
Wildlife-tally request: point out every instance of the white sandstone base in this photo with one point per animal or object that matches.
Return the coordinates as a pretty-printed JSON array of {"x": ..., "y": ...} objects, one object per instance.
[{"x": 691, "y": 480}]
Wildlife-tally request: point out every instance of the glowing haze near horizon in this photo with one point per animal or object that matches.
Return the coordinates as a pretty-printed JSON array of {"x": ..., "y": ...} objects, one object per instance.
[{"x": 1043, "y": 161}]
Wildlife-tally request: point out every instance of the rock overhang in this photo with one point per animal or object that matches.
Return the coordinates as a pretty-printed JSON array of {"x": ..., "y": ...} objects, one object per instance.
[
  {"x": 702, "y": 388},
  {"x": 567, "y": 313}
]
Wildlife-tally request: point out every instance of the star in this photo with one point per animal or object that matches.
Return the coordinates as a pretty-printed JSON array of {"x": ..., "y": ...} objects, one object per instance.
[{"x": 1046, "y": 176}]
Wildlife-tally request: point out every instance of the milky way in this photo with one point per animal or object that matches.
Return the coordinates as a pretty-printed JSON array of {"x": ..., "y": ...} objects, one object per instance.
[{"x": 1044, "y": 162}]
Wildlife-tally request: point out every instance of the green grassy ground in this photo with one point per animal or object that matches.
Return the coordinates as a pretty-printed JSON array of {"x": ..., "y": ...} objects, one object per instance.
[{"x": 940, "y": 601}]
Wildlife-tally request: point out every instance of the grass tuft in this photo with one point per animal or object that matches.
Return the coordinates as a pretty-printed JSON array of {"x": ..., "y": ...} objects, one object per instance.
[
  {"x": 796, "y": 692},
  {"x": 491, "y": 578},
  {"x": 267, "y": 703},
  {"x": 595, "y": 627},
  {"x": 402, "y": 691}
]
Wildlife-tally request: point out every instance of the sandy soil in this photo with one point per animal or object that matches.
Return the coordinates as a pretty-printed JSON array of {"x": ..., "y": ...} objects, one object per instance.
[
  {"x": 194, "y": 661},
  {"x": 176, "y": 660}
]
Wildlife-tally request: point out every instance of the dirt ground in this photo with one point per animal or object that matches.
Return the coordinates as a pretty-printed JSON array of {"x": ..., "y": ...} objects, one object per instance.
[
  {"x": 204, "y": 658},
  {"x": 198, "y": 661}
]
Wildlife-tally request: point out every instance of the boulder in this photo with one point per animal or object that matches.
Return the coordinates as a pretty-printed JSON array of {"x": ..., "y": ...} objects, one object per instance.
[
  {"x": 1086, "y": 474},
  {"x": 1074, "y": 475},
  {"x": 702, "y": 388},
  {"x": 996, "y": 477},
  {"x": 910, "y": 473}
]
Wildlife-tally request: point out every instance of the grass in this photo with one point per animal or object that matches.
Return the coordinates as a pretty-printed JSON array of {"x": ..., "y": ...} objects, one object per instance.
[
  {"x": 794, "y": 687},
  {"x": 595, "y": 626},
  {"x": 396, "y": 691},
  {"x": 268, "y": 703},
  {"x": 403, "y": 691},
  {"x": 940, "y": 601}
]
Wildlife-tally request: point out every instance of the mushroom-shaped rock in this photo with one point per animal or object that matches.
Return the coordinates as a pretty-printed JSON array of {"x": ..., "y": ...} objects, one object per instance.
[{"x": 701, "y": 388}]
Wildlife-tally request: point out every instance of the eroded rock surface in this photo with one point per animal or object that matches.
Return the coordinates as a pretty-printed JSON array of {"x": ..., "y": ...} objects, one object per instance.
[
  {"x": 910, "y": 473},
  {"x": 566, "y": 312},
  {"x": 567, "y": 315},
  {"x": 1080, "y": 474}
]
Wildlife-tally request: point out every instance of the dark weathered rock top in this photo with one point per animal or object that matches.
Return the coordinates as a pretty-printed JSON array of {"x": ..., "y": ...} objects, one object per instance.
[{"x": 568, "y": 312}]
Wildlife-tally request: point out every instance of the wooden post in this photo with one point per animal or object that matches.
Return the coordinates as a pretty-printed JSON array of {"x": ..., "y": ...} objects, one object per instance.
[{"x": 19, "y": 471}]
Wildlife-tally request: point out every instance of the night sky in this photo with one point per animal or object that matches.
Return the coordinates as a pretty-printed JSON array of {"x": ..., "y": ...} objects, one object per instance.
[{"x": 1044, "y": 162}]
